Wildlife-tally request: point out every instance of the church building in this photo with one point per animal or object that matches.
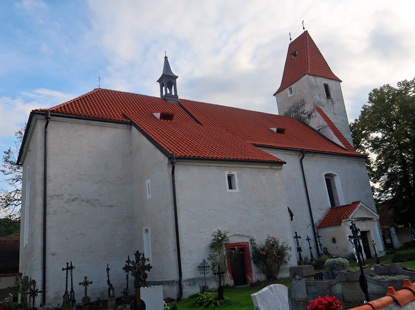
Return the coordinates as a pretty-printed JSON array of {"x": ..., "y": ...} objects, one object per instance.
[{"x": 112, "y": 172}]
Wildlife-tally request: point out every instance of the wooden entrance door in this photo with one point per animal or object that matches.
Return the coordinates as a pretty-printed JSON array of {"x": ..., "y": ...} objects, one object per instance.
[
  {"x": 366, "y": 244},
  {"x": 238, "y": 266}
]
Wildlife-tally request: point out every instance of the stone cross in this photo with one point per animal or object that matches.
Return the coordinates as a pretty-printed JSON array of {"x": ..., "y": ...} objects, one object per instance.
[
  {"x": 85, "y": 300},
  {"x": 33, "y": 292},
  {"x": 66, "y": 294},
  {"x": 139, "y": 269},
  {"x": 85, "y": 284},
  {"x": 72, "y": 301},
  {"x": 111, "y": 292},
  {"x": 127, "y": 268},
  {"x": 355, "y": 238},
  {"x": 299, "y": 250},
  {"x": 309, "y": 246},
  {"x": 219, "y": 273},
  {"x": 203, "y": 268}
]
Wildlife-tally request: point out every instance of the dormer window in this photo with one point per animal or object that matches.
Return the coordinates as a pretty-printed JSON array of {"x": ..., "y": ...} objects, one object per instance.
[
  {"x": 165, "y": 116},
  {"x": 278, "y": 130}
]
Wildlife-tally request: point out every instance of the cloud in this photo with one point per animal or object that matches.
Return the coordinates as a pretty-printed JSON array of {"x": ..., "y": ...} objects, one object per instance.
[
  {"x": 14, "y": 112},
  {"x": 233, "y": 52}
]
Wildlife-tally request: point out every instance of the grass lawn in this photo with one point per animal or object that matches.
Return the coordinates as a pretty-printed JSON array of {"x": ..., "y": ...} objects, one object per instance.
[{"x": 238, "y": 298}]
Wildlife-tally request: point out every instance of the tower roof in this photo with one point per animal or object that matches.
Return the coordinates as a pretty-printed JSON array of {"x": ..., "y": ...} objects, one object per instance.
[
  {"x": 304, "y": 57},
  {"x": 167, "y": 69}
]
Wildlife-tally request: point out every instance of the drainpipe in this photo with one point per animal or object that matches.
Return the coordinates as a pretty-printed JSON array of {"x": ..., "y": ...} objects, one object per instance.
[
  {"x": 308, "y": 202},
  {"x": 45, "y": 149},
  {"x": 176, "y": 224}
]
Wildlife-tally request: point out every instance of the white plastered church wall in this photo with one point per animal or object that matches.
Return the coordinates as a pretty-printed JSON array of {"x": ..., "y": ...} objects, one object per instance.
[
  {"x": 257, "y": 209},
  {"x": 353, "y": 179},
  {"x": 152, "y": 171},
  {"x": 89, "y": 205}
]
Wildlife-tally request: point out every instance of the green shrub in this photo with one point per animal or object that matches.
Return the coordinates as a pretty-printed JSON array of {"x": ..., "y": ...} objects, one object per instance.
[
  {"x": 403, "y": 256},
  {"x": 331, "y": 263},
  {"x": 217, "y": 251},
  {"x": 208, "y": 299},
  {"x": 270, "y": 256}
]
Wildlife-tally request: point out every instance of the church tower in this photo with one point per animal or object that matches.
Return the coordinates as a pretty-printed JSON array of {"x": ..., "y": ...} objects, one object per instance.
[
  {"x": 307, "y": 83},
  {"x": 168, "y": 83}
]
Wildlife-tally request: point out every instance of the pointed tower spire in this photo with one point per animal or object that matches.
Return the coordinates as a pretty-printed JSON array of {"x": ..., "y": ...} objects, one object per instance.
[
  {"x": 307, "y": 83},
  {"x": 168, "y": 83},
  {"x": 304, "y": 57}
]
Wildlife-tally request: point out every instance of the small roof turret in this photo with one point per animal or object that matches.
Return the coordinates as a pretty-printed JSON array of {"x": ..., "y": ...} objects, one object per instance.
[
  {"x": 168, "y": 83},
  {"x": 166, "y": 69}
]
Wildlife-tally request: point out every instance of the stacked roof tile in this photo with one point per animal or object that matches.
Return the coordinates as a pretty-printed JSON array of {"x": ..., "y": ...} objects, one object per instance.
[
  {"x": 200, "y": 130},
  {"x": 304, "y": 57}
]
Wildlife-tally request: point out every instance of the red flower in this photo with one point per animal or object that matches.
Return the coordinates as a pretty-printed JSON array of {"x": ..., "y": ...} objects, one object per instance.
[{"x": 326, "y": 303}]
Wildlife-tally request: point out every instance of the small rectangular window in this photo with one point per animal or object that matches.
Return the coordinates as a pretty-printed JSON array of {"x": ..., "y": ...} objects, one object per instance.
[
  {"x": 231, "y": 182},
  {"x": 148, "y": 189},
  {"x": 290, "y": 91},
  {"x": 327, "y": 90}
]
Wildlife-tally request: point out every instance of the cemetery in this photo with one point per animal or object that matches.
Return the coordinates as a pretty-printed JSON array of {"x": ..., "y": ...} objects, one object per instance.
[{"x": 339, "y": 283}]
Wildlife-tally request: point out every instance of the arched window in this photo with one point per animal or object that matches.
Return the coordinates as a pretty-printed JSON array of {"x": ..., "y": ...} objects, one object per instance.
[{"x": 332, "y": 190}]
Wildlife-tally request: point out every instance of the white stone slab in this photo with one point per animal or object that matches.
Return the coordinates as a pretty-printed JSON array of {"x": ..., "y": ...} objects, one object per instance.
[
  {"x": 272, "y": 297},
  {"x": 153, "y": 297}
]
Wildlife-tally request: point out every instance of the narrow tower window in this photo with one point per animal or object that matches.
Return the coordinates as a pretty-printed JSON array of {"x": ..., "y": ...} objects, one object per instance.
[
  {"x": 331, "y": 190},
  {"x": 327, "y": 90},
  {"x": 147, "y": 243},
  {"x": 290, "y": 91}
]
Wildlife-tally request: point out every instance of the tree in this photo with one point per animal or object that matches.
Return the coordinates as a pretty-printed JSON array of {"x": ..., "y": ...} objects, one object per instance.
[
  {"x": 385, "y": 129},
  {"x": 10, "y": 198},
  {"x": 9, "y": 227}
]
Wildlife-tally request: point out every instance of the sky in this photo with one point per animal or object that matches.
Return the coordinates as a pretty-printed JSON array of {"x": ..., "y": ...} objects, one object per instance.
[{"x": 225, "y": 52}]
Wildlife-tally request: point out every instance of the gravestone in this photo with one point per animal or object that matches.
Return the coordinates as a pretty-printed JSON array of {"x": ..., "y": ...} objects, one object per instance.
[
  {"x": 272, "y": 297},
  {"x": 153, "y": 297}
]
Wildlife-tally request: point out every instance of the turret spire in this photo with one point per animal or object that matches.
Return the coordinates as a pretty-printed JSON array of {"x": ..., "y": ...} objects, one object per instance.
[{"x": 168, "y": 83}]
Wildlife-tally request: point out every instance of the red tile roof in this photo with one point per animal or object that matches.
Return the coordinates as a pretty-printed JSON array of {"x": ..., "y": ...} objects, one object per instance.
[
  {"x": 209, "y": 132},
  {"x": 334, "y": 129},
  {"x": 309, "y": 60},
  {"x": 9, "y": 255},
  {"x": 182, "y": 136},
  {"x": 336, "y": 214},
  {"x": 254, "y": 127}
]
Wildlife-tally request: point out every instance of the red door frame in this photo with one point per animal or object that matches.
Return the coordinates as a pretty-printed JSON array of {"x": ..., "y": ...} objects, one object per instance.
[{"x": 247, "y": 259}]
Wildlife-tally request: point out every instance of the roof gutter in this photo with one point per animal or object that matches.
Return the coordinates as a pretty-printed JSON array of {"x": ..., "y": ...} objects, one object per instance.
[
  {"x": 308, "y": 202},
  {"x": 45, "y": 191},
  {"x": 172, "y": 160}
]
